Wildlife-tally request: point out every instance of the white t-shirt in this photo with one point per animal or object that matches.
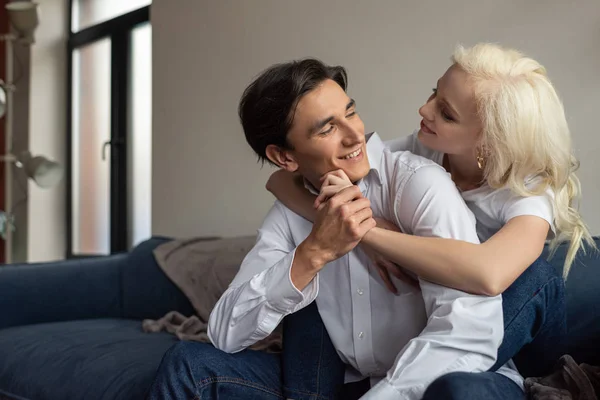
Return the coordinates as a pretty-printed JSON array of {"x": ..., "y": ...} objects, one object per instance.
[{"x": 492, "y": 208}]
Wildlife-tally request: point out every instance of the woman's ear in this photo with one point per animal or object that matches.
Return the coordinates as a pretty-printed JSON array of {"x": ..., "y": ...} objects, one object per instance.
[{"x": 281, "y": 157}]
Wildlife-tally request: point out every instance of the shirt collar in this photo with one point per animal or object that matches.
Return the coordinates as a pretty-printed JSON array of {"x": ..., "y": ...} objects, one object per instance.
[
  {"x": 375, "y": 148},
  {"x": 309, "y": 186}
]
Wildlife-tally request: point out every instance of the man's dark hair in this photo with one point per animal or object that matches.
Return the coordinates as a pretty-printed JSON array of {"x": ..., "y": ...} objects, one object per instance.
[{"x": 268, "y": 105}]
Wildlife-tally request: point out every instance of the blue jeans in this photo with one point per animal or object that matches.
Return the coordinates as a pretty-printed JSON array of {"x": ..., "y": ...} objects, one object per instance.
[
  {"x": 310, "y": 369},
  {"x": 535, "y": 320},
  {"x": 535, "y": 329},
  {"x": 192, "y": 370},
  {"x": 467, "y": 386}
]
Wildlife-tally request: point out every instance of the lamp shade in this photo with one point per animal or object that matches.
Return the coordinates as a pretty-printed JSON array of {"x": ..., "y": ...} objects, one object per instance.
[
  {"x": 24, "y": 17},
  {"x": 45, "y": 173}
]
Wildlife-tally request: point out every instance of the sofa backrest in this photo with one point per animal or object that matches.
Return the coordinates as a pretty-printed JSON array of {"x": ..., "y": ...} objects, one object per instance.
[{"x": 146, "y": 292}]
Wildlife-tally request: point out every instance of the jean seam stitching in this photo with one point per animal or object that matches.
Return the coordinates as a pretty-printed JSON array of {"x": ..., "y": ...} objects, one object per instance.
[
  {"x": 552, "y": 280},
  {"x": 224, "y": 379},
  {"x": 319, "y": 362},
  {"x": 546, "y": 326}
]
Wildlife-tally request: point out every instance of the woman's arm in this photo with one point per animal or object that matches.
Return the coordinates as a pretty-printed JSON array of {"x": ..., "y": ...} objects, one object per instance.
[
  {"x": 488, "y": 268},
  {"x": 289, "y": 189}
]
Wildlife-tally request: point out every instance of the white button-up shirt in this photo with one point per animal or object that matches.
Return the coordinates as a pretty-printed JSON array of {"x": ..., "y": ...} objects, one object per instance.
[{"x": 402, "y": 342}]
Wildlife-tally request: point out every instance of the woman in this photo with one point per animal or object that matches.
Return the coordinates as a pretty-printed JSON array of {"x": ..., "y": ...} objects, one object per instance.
[{"x": 497, "y": 125}]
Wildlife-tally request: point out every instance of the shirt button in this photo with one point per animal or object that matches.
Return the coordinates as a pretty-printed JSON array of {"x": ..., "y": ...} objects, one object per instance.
[
  {"x": 360, "y": 292},
  {"x": 361, "y": 335}
]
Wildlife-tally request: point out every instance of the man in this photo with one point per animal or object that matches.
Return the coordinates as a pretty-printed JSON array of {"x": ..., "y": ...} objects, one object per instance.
[{"x": 298, "y": 116}]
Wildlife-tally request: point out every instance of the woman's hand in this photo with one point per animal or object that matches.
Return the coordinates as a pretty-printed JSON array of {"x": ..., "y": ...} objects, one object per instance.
[
  {"x": 333, "y": 182},
  {"x": 386, "y": 269}
]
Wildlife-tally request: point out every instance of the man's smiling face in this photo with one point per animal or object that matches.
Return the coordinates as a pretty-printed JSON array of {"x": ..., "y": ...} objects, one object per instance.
[{"x": 327, "y": 134}]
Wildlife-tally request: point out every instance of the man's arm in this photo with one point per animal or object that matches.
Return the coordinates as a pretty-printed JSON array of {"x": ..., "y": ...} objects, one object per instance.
[
  {"x": 464, "y": 331},
  {"x": 276, "y": 278},
  {"x": 262, "y": 292}
]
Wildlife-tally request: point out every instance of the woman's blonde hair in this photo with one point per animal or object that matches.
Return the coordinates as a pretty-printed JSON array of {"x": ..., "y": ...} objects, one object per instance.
[{"x": 526, "y": 135}]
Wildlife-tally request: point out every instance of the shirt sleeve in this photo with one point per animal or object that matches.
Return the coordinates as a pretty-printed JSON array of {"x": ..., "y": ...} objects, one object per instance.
[
  {"x": 515, "y": 206},
  {"x": 262, "y": 292},
  {"x": 406, "y": 143},
  {"x": 464, "y": 331}
]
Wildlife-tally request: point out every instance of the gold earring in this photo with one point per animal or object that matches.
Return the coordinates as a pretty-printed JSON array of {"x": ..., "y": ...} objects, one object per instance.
[{"x": 480, "y": 159}]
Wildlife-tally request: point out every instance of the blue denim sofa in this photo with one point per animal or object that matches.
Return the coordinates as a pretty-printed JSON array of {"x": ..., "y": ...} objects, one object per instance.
[{"x": 72, "y": 330}]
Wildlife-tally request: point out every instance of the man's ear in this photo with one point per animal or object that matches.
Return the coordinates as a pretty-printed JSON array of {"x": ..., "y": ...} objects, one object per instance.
[{"x": 283, "y": 158}]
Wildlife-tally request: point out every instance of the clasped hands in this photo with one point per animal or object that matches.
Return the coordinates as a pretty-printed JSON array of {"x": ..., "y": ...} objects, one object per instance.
[{"x": 342, "y": 211}]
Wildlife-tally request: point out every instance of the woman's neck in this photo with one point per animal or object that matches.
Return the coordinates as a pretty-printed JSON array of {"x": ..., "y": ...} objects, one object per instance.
[{"x": 464, "y": 171}]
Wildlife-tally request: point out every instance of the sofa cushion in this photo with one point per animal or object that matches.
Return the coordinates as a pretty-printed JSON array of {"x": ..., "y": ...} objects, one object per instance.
[
  {"x": 86, "y": 359},
  {"x": 203, "y": 269}
]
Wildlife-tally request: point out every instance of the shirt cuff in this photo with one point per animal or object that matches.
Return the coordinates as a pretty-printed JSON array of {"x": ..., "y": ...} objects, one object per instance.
[
  {"x": 282, "y": 295},
  {"x": 384, "y": 390}
]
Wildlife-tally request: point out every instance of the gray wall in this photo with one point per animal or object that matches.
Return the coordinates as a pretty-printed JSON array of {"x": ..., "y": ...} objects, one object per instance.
[
  {"x": 47, "y": 130},
  {"x": 205, "y": 178}
]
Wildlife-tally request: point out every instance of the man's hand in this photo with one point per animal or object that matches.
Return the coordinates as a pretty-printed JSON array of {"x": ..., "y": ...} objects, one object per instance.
[
  {"x": 340, "y": 224},
  {"x": 336, "y": 181}
]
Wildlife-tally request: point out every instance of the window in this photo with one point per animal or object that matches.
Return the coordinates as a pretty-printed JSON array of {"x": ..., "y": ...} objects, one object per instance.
[
  {"x": 86, "y": 13},
  {"x": 90, "y": 182},
  {"x": 109, "y": 126},
  {"x": 140, "y": 135}
]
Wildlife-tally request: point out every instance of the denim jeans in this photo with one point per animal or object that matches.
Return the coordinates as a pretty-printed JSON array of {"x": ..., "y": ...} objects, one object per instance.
[
  {"x": 467, "y": 386},
  {"x": 310, "y": 369},
  {"x": 535, "y": 331},
  {"x": 535, "y": 320},
  {"x": 191, "y": 370}
]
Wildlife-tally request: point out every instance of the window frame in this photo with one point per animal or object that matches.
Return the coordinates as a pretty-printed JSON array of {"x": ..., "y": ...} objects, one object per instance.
[{"x": 119, "y": 31}]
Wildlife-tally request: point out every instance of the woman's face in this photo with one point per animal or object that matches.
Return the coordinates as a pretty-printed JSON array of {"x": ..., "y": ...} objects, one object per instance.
[{"x": 450, "y": 122}]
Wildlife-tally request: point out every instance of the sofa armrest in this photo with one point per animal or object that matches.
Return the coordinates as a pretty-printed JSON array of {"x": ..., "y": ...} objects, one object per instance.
[{"x": 60, "y": 291}]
